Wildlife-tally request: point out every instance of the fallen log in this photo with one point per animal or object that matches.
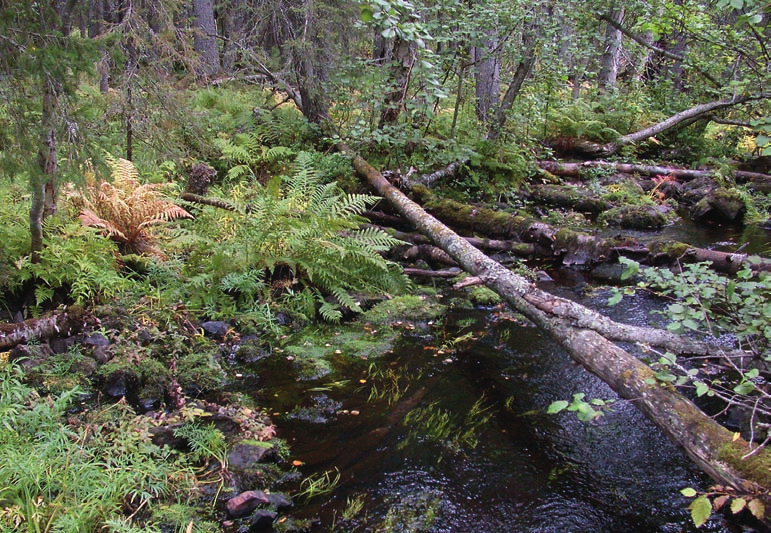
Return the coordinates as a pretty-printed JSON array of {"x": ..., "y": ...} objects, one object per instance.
[
  {"x": 60, "y": 323},
  {"x": 729, "y": 460},
  {"x": 419, "y": 272},
  {"x": 574, "y": 248},
  {"x": 583, "y": 169}
]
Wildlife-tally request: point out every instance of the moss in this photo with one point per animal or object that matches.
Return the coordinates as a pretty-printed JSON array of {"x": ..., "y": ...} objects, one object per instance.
[
  {"x": 412, "y": 308},
  {"x": 481, "y": 295},
  {"x": 636, "y": 217},
  {"x": 756, "y": 468},
  {"x": 671, "y": 249}
]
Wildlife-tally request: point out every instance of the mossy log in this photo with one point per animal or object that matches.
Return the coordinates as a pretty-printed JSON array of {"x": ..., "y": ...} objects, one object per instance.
[
  {"x": 575, "y": 248},
  {"x": 577, "y": 329}
]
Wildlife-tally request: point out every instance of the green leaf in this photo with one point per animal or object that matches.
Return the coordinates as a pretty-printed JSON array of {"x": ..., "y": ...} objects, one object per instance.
[
  {"x": 745, "y": 387},
  {"x": 557, "y": 406},
  {"x": 701, "y": 509},
  {"x": 701, "y": 388},
  {"x": 616, "y": 298},
  {"x": 367, "y": 15},
  {"x": 676, "y": 309},
  {"x": 737, "y": 504},
  {"x": 688, "y": 492},
  {"x": 691, "y": 324},
  {"x": 632, "y": 268}
]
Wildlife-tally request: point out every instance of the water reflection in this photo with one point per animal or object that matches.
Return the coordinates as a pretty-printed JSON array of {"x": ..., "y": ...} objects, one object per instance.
[{"x": 531, "y": 472}]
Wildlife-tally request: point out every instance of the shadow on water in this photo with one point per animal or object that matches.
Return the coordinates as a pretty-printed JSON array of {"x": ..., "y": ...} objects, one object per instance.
[{"x": 529, "y": 472}]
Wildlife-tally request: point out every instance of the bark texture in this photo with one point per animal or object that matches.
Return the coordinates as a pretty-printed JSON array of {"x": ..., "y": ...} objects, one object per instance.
[
  {"x": 708, "y": 444},
  {"x": 62, "y": 323}
]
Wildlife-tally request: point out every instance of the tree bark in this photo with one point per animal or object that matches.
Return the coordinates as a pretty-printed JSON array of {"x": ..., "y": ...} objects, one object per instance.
[
  {"x": 524, "y": 67},
  {"x": 44, "y": 185},
  {"x": 487, "y": 74},
  {"x": 610, "y": 58},
  {"x": 205, "y": 37},
  {"x": 60, "y": 323},
  {"x": 403, "y": 57},
  {"x": 573, "y": 248},
  {"x": 713, "y": 448}
]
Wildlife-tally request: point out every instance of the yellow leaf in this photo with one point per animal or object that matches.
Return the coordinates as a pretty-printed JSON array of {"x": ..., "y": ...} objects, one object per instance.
[
  {"x": 737, "y": 504},
  {"x": 736, "y": 436}
]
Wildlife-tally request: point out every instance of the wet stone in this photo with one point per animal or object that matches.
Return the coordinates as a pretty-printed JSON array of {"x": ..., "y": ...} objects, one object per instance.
[
  {"x": 279, "y": 500},
  {"x": 216, "y": 328},
  {"x": 246, "y": 502},
  {"x": 242, "y": 456},
  {"x": 262, "y": 520}
]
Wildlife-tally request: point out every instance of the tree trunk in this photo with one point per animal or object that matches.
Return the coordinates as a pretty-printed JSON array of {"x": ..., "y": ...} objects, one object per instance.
[
  {"x": 72, "y": 320},
  {"x": 403, "y": 56},
  {"x": 487, "y": 70},
  {"x": 713, "y": 448},
  {"x": 610, "y": 58},
  {"x": 578, "y": 170},
  {"x": 44, "y": 185},
  {"x": 570, "y": 247},
  {"x": 205, "y": 37}
]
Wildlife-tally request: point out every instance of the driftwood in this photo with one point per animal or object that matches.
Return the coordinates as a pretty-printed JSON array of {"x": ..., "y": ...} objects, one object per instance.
[
  {"x": 713, "y": 448},
  {"x": 65, "y": 322},
  {"x": 579, "y": 170}
]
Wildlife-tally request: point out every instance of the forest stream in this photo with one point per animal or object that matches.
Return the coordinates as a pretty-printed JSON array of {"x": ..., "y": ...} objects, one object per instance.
[{"x": 458, "y": 439}]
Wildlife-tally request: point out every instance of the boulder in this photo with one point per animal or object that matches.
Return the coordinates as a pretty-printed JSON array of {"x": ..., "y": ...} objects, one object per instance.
[{"x": 720, "y": 205}]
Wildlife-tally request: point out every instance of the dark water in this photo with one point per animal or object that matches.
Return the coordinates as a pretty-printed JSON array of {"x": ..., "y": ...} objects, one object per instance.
[
  {"x": 530, "y": 471},
  {"x": 751, "y": 239}
]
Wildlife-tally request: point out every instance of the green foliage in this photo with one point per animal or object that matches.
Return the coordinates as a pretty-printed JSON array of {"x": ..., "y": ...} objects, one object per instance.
[
  {"x": 582, "y": 120},
  {"x": 707, "y": 302},
  {"x": 300, "y": 240},
  {"x": 77, "y": 476},
  {"x": 269, "y": 148},
  {"x": 206, "y": 442},
  {"x": 319, "y": 484},
  {"x": 75, "y": 261},
  {"x": 585, "y": 411},
  {"x": 717, "y": 499}
]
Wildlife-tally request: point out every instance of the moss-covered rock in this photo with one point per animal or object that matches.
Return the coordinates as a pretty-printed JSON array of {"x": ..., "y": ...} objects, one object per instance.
[
  {"x": 636, "y": 217},
  {"x": 719, "y": 205}
]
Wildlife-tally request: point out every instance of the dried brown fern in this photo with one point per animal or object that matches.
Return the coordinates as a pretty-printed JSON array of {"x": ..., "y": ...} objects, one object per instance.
[{"x": 124, "y": 209}]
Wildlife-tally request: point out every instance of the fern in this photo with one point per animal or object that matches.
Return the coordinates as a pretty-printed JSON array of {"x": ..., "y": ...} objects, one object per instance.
[
  {"x": 124, "y": 210},
  {"x": 301, "y": 239}
]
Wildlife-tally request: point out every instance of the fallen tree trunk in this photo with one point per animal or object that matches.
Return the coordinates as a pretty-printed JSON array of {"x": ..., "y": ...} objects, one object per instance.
[
  {"x": 677, "y": 120},
  {"x": 64, "y": 323},
  {"x": 713, "y": 448},
  {"x": 574, "y": 248},
  {"x": 580, "y": 170}
]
